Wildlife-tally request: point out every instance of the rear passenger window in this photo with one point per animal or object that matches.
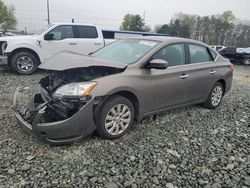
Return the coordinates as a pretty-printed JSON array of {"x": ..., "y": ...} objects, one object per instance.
[
  {"x": 174, "y": 54},
  {"x": 87, "y": 32},
  {"x": 214, "y": 55},
  {"x": 198, "y": 54}
]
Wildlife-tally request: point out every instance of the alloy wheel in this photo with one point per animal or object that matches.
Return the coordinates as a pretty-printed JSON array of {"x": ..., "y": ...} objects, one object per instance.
[
  {"x": 246, "y": 61},
  {"x": 25, "y": 63},
  {"x": 216, "y": 95}
]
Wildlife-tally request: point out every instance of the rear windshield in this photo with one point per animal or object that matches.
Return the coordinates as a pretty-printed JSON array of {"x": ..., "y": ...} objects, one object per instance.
[{"x": 125, "y": 51}]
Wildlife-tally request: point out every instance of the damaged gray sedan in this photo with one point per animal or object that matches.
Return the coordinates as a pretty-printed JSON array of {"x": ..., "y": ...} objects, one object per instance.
[{"x": 121, "y": 83}]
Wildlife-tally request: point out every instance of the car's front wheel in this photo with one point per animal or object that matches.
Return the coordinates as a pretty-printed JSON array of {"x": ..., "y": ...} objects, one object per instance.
[
  {"x": 215, "y": 96},
  {"x": 115, "y": 117},
  {"x": 24, "y": 62}
]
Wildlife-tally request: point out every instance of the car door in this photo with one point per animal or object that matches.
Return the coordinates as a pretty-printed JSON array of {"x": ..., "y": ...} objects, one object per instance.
[
  {"x": 63, "y": 40},
  {"x": 89, "y": 39},
  {"x": 166, "y": 88},
  {"x": 201, "y": 72}
]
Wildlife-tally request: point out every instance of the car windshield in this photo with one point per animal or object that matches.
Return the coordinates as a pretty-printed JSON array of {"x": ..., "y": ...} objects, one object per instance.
[
  {"x": 40, "y": 31},
  {"x": 125, "y": 51}
]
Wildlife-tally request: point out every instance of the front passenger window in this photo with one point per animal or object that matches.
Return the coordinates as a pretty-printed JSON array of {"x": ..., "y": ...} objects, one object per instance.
[
  {"x": 62, "y": 32},
  {"x": 174, "y": 54}
]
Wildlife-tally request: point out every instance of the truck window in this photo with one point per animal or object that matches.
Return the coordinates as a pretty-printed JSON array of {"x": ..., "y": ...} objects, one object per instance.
[
  {"x": 62, "y": 32},
  {"x": 87, "y": 32},
  {"x": 108, "y": 34}
]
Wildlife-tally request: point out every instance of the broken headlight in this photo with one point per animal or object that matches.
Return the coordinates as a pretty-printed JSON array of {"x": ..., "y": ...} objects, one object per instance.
[{"x": 77, "y": 89}]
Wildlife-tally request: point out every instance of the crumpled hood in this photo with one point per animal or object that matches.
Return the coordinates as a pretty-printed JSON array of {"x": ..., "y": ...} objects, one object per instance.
[{"x": 69, "y": 60}]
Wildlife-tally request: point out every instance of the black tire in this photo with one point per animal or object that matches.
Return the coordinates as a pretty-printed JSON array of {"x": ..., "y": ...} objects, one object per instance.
[
  {"x": 105, "y": 109},
  {"x": 32, "y": 60},
  {"x": 209, "y": 104}
]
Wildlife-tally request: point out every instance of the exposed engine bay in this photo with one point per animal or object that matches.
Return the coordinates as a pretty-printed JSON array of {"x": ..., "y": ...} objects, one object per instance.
[
  {"x": 58, "y": 109},
  {"x": 56, "y": 79}
]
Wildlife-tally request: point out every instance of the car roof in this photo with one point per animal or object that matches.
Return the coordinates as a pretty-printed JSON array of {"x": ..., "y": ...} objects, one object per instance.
[{"x": 167, "y": 39}]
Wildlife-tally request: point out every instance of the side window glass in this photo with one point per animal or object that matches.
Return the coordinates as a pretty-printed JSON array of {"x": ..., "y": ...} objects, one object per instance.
[
  {"x": 87, "y": 32},
  {"x": 174, "y": 54},
  {"x": 213, "y": 53},
  {"x": 62, "y": 32},
  {"x": 198, "y": 54}
]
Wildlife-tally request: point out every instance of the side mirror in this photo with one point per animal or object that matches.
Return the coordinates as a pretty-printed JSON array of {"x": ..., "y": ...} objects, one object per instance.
[
  {"x": 49, "y": 36},
  {"x": 157, "y": 64}
]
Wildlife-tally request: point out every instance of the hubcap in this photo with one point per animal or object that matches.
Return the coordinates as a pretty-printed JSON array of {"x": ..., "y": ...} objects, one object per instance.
[
  {"x": 118, "y": 119},
  {"x": 216, "y": 95},
  {"x": 24, "y": 63}
]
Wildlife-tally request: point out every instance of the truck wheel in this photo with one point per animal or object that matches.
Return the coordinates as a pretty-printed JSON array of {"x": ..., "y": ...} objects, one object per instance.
[
  {"x": 24, "y": 63},
  {"x": 246, "y": 61},
  {"x": 115, "y": 117}
]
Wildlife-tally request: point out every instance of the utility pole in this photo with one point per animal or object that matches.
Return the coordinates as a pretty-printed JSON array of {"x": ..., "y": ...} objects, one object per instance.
[
  {"x": 144, "y": 17},
  {"x": 48, "y": 11}
]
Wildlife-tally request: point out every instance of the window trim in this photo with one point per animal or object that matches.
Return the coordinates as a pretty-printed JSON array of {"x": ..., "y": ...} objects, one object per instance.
[
  {"x": 207, "y": 49},
  {"x": 77, "y": 28},
  {"x": 74, "y": 32},
  {"x": 185, "y": 53}
]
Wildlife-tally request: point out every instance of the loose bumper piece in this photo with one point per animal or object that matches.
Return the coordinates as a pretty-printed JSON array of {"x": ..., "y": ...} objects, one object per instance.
[{"x": 78, "y": 126}]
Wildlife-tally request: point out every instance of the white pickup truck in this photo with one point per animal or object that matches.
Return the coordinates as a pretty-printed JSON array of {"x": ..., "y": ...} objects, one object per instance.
[{"x": 24, "y": 53}]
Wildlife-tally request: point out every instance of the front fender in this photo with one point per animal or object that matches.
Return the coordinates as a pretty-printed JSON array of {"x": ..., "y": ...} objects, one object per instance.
[
  {"x": 121, "y": 82},
  {"x": 14, "y": 46}
]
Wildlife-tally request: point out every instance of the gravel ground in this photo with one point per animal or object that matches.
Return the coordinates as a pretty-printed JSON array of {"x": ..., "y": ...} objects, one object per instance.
[{"x": 187, "y": 147}]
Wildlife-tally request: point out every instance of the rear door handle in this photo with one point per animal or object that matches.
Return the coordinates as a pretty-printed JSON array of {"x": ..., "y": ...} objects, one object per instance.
[
  {"x": 72, "y": 43},
  {"x": 212, "y": 72},
  {"x": 183, "y": 76}
]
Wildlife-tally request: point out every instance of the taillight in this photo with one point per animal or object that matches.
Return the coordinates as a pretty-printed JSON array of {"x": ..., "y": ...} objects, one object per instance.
[{"x": 231, "y": 66}]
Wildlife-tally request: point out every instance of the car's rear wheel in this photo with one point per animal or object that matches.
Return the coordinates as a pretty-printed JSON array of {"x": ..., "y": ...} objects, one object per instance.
[
  {"x": 115, "y": 117},
  {"x": 24, "y": 62},
  {"x": 215, "y": 96}
]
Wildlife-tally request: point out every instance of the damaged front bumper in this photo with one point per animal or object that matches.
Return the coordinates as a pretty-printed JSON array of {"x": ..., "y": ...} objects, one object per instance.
[{"x": 79, "y": 125}]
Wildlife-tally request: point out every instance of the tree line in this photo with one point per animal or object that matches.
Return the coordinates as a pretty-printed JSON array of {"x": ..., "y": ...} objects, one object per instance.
[
  {"x": 219, "y": 29},
  {"x": 7, "y": 17}
]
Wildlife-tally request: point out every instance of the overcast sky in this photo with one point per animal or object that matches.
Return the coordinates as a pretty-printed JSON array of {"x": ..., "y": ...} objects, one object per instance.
[{"x": 109, "y": 13}]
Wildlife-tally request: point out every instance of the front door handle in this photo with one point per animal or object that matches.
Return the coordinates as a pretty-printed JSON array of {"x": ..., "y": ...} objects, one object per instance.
[
  {"x": 183, "y": 76},
  {"x": 212, "y": 72},
  {"x": 72, "y": 43}
]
